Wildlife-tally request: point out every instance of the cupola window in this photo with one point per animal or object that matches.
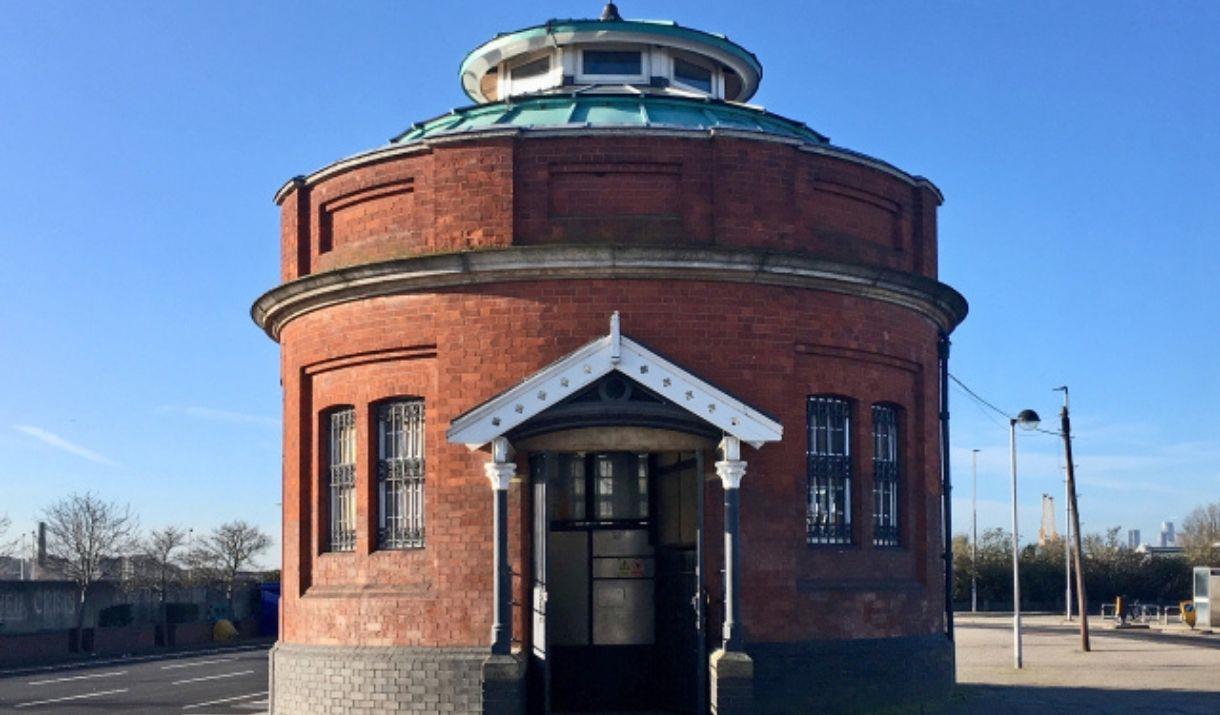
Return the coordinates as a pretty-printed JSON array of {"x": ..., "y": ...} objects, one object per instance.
[
  {"x": 531, "y": 69},
  {"x": 531, "y": 75},
  {"x": 692, "y": 75},
  {"x": 612, "y": 63}
]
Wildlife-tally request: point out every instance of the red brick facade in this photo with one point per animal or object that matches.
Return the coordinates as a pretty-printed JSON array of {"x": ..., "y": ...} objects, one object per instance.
[
  {"x": 626, "y": 190},
  {"x": 769, "y": 342},
  {"x": 456, "y": 347}
]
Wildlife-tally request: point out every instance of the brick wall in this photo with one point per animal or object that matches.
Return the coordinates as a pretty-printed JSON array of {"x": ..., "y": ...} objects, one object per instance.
[
  {"x": 634, "y": 189},
  {"x": 770, "y": 346},
  {"x": 372, "y": 626},
  {"x": 852, "y": 676}
]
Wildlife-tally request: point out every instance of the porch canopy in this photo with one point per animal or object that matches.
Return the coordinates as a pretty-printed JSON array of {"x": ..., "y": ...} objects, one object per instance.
[
  {"x": 492, "y": 421},
  {"x": 611, "y": 353}
]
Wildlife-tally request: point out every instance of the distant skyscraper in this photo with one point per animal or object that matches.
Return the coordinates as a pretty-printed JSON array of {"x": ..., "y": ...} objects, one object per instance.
[
  {"x": 1133, "y": 538},
  {"x": 1167, "y": 537},
  {"x": 1046, "y": 533}
]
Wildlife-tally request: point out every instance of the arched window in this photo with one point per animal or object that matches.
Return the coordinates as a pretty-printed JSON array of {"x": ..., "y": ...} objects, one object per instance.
[
  {"x": 886, "y": 472},
  {"x": 341, "y": 476},
  {"x": 400, "y": 474},
  {"x": 828, "y": 471}
]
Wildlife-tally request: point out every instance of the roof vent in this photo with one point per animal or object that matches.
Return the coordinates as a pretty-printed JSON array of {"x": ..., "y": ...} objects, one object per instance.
[{"x": 610, "y": 13}]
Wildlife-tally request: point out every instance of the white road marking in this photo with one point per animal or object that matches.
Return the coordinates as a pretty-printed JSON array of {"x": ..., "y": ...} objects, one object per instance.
[
  {"x": 212, "y": 677},
  {"x": 76, "y": 677},
  {"x": 181, "y": 655},
  {"x": 201, "y": 662},
  {"x": 225, "y": 700},
  {"x": 70, "y": 697}
]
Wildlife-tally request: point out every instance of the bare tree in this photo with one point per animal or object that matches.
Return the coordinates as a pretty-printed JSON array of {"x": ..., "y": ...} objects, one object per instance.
[
  {"x": 160, "y": 549},
  {"x": 230, "y": 547},
  {"x": 6, "y": 546},
  {"x": 1201, "y": 535},
  {"x": 83, "y": 533}
]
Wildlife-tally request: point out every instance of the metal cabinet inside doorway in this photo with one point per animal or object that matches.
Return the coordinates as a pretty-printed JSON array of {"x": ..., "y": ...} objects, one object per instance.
[{"x": 601, "y": 565}]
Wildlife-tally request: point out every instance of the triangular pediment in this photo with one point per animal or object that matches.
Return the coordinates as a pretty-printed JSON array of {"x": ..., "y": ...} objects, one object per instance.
[{"x": 581, "y": 368}]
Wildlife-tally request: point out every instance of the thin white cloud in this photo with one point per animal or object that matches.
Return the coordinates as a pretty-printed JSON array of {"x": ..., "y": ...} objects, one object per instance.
[
  {"x": 54, "y": 440},
  {"x": 214, "y": 415}
]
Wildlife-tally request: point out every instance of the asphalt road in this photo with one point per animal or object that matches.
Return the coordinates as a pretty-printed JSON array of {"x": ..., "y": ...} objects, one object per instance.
[{"x": 217, "y": 682}]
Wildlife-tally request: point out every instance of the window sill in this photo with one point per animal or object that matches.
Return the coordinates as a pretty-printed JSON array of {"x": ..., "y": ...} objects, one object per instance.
[
  {"x": 383, "y": 551},
  {"x": 844, "y": 545},
  {"x": 354, "y": 591}
]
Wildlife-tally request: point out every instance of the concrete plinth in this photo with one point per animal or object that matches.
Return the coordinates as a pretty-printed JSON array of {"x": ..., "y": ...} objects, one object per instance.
[
  {"x": 504, "y": 685},
  {"x": 731, "y": 679}
]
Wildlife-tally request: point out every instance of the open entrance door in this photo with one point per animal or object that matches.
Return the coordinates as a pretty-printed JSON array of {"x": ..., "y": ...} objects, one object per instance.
[
  {"x": 542, "y": 467},
  {"x": 617, "y": 613}
]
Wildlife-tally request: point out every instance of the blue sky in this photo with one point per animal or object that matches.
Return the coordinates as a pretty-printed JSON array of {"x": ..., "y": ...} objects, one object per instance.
[{"x": 1077, "y": 145}]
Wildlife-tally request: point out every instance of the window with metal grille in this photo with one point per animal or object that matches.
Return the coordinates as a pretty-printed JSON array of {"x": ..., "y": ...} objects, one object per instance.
[
  {"x": 400, "y": 474},
  {"x": 341, "y": 464},
  {"x": 885, "y": 475},
  {"x": 828, "y": 459}
]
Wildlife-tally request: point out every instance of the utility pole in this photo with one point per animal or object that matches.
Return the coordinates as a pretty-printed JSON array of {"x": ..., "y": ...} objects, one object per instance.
[
  {"x": 1067, "y": 548},
  {"x": 1066, "y": 430},
  {"x": 974, "y": 532}
]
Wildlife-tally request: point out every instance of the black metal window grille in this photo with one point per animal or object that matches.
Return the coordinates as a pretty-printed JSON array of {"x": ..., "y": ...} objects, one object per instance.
[
  {"x": 828, "y": 458},
  {"x": 400, "y": 475},
  {"x": 342, "y": 468},
  {"x": 885, "y": 475}
]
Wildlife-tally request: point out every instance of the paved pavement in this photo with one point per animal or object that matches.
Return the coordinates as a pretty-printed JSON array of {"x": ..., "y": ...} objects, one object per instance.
[
  {"x": 1149, "y": 671},
  {"x": 230, "y": 681}
]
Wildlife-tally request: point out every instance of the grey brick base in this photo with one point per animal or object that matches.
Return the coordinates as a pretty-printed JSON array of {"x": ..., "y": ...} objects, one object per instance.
[
  {"x": 336, "y": 680},
  {"x": 851, "y": 676}
]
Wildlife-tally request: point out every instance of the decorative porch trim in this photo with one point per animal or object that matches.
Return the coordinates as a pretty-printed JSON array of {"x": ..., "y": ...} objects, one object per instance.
[
  {"x": 615, "y": 351},
  {"x": 935, "y": 301}
]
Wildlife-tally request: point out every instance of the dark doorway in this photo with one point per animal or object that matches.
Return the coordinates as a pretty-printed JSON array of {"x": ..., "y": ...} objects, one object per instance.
[{"x": 616, "y": 582}]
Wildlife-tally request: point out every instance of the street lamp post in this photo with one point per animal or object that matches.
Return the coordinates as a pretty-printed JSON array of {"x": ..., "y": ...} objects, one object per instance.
[
  {"x": 974, "y": 532},
  {"x": 1028, "y": 419},
  {"x": 25, "y": 552}
]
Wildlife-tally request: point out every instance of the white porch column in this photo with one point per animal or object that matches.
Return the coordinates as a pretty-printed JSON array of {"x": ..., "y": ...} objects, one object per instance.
[
  {"x": 731, "y": 470},
  {"x": 500, "y": 472}
]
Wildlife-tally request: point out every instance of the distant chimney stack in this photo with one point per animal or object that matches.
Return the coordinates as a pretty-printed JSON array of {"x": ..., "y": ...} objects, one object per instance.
[
  {"x": 41, "y": 558},
  {"x": 38, "y": 569}
]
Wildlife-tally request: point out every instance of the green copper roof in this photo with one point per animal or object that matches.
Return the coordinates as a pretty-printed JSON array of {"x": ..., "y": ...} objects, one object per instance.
[{"x": 609, "y": 111}]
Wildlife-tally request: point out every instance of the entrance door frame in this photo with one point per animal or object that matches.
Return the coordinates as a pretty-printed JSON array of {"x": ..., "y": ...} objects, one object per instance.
[{"x": 542, "y": 469}]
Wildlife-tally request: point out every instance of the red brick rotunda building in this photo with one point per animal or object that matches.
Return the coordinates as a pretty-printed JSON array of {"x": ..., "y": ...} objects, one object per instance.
[{"x": 611, "y": 392}]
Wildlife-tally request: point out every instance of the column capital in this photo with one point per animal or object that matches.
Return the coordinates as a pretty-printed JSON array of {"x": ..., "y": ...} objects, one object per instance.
[
  {"x": 731, "y": 472},
  {"x": 499, "y": 474}
]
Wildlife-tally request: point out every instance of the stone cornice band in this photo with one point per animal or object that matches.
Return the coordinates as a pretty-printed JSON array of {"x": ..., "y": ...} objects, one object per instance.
[{"x": 934, "y": 300}]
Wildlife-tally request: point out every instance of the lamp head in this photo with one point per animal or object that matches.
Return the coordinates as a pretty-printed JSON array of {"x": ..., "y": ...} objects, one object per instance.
[{"x": 1028, "y": 419}]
